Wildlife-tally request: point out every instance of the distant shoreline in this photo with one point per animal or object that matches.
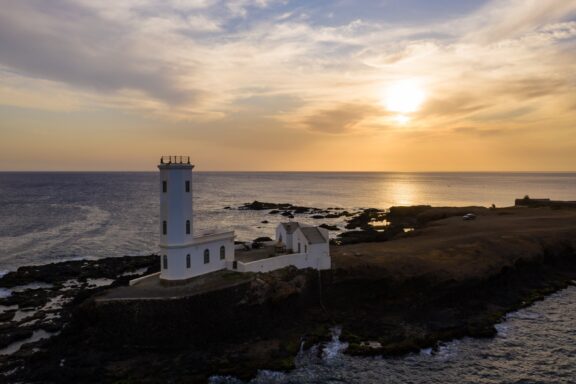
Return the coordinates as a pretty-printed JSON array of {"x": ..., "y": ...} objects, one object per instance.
[{"x": 311, "y": 172}]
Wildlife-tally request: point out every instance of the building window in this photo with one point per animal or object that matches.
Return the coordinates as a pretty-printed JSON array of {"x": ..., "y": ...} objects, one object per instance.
[
  {"x": 164, "y": 227},
  {"x": 187, "y": 185},
  {"x": 206, "y": 256},
  {"x": 187, "y": 227},
  {"x": 165, "y": 262},
  {"x": 298, "y": 247},
  {"x": 188, "y": 261},
  {"x": 164, "y": 186},
  {"x": 222, "y": 252}
]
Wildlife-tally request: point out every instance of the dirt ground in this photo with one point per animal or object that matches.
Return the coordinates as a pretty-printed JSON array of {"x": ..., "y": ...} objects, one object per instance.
[{"x": 453, "y": 248}]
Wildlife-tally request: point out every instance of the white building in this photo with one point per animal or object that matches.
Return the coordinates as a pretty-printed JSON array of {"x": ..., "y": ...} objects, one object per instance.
[
  {"x": 302, "y": 238},
  {"x": 184, "y": 255}
]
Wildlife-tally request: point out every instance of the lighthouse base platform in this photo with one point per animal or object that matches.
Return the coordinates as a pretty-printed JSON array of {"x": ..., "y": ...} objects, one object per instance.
[{"x": 152, "y": 287}]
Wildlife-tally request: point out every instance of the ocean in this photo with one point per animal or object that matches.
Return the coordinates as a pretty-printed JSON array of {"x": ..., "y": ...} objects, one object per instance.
[
  {"x": 48, "y": 217},
  {"x": 535, "y": 345}
]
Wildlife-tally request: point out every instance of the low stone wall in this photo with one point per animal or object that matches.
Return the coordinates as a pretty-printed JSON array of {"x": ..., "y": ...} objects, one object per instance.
[
  {"x": 141, "y": 279},
  {"x": 298, "y": 260}
]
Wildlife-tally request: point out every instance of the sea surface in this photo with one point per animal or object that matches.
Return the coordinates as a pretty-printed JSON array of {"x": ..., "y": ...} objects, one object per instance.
[
  {"x": 47, "y": 217},
  {"x": 533, "y": 345}
]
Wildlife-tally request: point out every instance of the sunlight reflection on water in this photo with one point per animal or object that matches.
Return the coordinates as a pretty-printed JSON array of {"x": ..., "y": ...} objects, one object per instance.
[{"x": 46, "y": 217}]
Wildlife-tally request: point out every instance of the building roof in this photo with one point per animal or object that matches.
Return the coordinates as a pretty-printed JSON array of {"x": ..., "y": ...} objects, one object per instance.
[
  {"x": 290, "y": 227},
  {"x": 313, "y": 234}
]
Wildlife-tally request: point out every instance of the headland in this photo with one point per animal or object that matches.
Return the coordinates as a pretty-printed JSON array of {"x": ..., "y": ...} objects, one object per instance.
[{"x": 444, "y": 278}]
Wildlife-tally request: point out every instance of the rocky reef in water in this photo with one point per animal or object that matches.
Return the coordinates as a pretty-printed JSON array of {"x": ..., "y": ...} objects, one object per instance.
[
  {"x": 385, "y": 306},
  {"x": 365, "y": 224},
  {"x": 38, "y": 302}
]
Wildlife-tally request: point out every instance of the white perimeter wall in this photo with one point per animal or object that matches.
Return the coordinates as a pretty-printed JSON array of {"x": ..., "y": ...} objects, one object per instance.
[{"x": 299, "y": 260}]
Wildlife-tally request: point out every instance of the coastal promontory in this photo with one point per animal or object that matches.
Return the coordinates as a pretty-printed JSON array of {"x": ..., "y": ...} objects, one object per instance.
[{"x": 444, "y": 278}]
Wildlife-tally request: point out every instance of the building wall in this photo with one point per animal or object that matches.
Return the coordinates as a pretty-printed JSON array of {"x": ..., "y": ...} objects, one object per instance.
[
  {"x": 322, "y": 253},
  {"x": 299, "y": 260},
  {"x": 298, "y": 238},
  {"x": 315, "y": 256},
  {"x": 175, "y": 205},
  {"x": 177, "y": 266},
  {"x": 286, "y": 238}
]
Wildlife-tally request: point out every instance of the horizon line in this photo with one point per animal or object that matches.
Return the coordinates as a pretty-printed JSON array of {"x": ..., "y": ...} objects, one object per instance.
[{"x": 272, "y": 171}]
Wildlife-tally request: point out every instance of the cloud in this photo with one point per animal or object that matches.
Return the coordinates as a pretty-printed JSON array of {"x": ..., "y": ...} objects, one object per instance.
[
  {"x": 475, "y": 131},
  {"x": 533, "y": 87},
  {"x": 456, "y": 104},
  {"x": 342, "y": 119},
  {"x": 203, "y": 23},
  {"x": 500, "y": 20},
  {"x": 229, "y": 71},
  {"x": 201, "y": 59},
  {"x": 65, "y": 42}
]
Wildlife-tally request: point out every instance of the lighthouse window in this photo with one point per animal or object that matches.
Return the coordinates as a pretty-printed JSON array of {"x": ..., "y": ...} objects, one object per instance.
[
  {"x": 164, "y": 227},
  {"x": 222, "y": 252},
  {"x": 187, "y": 185},
  {"x": 164, "y": 186},
  {"x": 188, "y": 261},
  {"x": 165, "y": 262},
  {"x": 187, "y": 227},
  {"x": 206, "y": 256}
]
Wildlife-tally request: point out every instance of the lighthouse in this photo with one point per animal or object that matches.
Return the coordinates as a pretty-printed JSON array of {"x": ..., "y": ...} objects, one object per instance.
[
  {"x": 183, "y": 255},
  {"x": 186, "y": 253}
]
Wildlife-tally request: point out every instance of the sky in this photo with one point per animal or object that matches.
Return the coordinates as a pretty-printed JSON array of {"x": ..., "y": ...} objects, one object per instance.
[{"x": 288, "y": 85}]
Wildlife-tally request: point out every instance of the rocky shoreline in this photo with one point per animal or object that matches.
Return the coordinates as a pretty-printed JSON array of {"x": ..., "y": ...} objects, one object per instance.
[
  {"x": 365, "y": 224},
  {"x": 38, "y": 302},
  {"x": 383, "y": 307}
]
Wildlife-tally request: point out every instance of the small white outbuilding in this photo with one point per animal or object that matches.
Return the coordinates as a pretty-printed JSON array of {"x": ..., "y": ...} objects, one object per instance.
[{"x": 305, "y": 239}]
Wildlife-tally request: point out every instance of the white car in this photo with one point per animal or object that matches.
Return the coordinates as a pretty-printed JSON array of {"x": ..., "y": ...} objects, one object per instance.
[{"x": 469, "y": 216}]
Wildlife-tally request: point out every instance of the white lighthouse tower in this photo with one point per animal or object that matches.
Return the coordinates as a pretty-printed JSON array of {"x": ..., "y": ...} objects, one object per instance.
[
  {"x": 182, "y": 254},
  {"x": 175, "y": 214}
]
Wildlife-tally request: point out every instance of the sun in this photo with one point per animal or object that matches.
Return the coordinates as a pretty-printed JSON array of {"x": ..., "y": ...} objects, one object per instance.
[
  {"x": 401, "y": 119},
  {"x": 404, "y": 98}
]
